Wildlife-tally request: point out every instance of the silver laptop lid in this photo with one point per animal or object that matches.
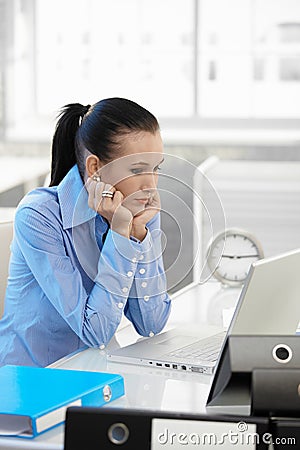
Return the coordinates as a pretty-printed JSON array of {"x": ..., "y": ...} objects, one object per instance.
[{"x": 270, "y": 300}]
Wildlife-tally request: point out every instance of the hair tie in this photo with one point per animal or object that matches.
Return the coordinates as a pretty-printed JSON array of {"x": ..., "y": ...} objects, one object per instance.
[{"x": 85, "y": 109}]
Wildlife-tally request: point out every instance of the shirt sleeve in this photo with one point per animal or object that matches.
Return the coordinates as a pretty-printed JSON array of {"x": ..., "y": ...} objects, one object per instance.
[
  {"x": 149, "y": 305},
  {"x": 94, "y": 317}
]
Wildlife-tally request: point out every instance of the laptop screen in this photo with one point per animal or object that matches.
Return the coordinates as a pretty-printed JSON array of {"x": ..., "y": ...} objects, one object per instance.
[{"x": 270, "y": 300}]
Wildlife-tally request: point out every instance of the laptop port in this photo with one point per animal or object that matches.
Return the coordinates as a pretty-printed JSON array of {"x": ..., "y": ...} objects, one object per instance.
[
  {"x": 197, "y": 369},
  {"x": 183, "y": 367},
  {"x": 174, "y": 366},
  {"x": 167, "y": 365},
  {"x": 159, "y": 364}
]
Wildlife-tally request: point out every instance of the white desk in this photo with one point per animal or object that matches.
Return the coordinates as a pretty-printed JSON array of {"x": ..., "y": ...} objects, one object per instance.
[{"x": 150, "y": 388}]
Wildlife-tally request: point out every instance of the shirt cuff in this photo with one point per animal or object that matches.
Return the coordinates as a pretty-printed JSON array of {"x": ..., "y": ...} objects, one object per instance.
[{"x": 118, "y": 264}]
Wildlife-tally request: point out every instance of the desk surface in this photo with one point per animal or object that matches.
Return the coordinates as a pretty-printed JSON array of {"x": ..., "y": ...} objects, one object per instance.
[{"x": 151, "y": 388}]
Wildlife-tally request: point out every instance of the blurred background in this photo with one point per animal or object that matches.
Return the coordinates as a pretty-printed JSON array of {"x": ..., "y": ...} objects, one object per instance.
[{"x": 222, "y": 77}]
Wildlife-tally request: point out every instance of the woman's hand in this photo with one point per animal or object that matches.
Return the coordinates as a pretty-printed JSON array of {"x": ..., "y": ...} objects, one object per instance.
[
  {"x": 140, "y": 220},
  {"x": 119, "y": 217}
]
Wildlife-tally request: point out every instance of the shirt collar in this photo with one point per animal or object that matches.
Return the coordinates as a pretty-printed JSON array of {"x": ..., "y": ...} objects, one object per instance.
[{"x": 73, "y": 199}]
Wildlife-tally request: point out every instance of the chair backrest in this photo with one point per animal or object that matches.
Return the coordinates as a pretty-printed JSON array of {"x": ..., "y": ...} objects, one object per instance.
[
  {"x": 6, "y": 234},
  {"x": 262, "y": 197}
]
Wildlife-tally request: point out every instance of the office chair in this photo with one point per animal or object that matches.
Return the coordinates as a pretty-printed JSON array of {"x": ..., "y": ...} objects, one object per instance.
[
  {"x": 261, "y": 197},
  {"x": 6, "y": 235}
]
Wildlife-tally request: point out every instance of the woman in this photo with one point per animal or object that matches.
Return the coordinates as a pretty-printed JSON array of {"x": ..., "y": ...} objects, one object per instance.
[{"x": 87, "y": 249}]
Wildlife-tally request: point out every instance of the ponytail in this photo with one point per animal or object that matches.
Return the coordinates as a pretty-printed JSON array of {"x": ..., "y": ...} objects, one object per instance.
[{"x": 64, "y": 141}]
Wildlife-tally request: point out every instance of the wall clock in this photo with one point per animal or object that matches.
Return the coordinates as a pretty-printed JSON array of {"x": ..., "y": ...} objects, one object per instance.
[{"x": 230, "y": 254}]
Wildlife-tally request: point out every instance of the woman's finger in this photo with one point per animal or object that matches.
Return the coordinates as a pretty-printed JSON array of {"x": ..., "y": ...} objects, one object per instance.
[
  {"x": 110, "y": 202},
  {"x": 91, "y": 186},
  {"x": 109, "y": 187},
  {"x": 98, "y": 195},
  {"x": 117, "y": 198},
  {"x": 106, "y": 202},
  {"x": 98, "y": 190}
]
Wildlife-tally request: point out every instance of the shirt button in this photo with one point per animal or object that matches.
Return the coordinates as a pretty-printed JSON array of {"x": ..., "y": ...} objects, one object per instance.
[
  {"x": 141, "y": 257},
  {"x": 129, "y": 274},
  {"x": 146, "y": 298},
  {"x": 144, "y": 284},
  {"x": 134, "y": 260},
  {"x": 142, "y": 271},
  {"x": 151, "y": 334},
  {"x": 102, "y": 346},
  {"x": 125, "y": 289},
  {"x": 120, "y": 305}
]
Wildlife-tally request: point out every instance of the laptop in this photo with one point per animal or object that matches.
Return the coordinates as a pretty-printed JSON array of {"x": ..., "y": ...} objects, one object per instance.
[
  {"x": 185, "y": 350},
  {"x": 263, "y": 338},
  {"x": 179, "y": 349}
]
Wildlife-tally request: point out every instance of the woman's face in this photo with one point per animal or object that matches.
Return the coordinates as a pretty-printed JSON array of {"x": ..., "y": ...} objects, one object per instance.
[{"x": 135, "y": 172}]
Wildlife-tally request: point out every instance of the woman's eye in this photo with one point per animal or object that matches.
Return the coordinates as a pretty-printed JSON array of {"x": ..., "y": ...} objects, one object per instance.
[{"x": 136, "y": 171}]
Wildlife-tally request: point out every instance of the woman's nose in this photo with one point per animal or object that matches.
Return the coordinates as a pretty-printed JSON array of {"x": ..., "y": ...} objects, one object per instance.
[{"x": 149, "y": 181}]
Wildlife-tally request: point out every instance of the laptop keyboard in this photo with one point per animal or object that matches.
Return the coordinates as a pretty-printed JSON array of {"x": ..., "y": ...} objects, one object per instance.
[{"x": 206, "y": 349}]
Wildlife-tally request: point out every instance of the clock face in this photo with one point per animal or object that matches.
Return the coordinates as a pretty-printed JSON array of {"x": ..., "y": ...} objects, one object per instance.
[{"x": 230, "y": 255}]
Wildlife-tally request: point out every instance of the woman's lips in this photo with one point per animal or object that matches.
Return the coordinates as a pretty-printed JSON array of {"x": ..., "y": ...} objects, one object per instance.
[{"x": 144, "y": 201}]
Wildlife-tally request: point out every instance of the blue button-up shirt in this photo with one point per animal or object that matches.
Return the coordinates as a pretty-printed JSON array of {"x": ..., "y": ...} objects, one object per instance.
[{"x": 71, "y": 278}]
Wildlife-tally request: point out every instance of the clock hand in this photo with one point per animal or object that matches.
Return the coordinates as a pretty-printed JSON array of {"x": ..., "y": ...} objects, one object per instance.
[{"x": 238, "y": 256}]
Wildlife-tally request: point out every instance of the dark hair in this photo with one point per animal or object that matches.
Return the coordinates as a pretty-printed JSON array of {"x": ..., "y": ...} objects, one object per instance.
[{"x": 97, "y": 128}]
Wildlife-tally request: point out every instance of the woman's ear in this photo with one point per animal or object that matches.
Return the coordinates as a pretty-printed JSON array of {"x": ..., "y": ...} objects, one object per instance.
[{"x": 92, "y": 165}]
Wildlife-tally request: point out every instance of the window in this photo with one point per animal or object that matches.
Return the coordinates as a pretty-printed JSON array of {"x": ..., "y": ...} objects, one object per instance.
[{"x": 192, "y": 60}]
